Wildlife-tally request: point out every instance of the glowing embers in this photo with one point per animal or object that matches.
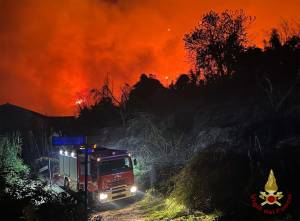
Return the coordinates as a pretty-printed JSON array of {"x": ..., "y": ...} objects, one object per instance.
[{"x": 79, "y": 101}]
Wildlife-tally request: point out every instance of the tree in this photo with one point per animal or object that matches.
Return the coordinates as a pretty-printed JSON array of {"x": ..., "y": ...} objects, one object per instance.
[
  {"x": 275, "y": 41},
  {"x": 125, "y": 91},
  {"x": 182, "y": 82},
  {"x": 148, "y": 94},
  {"x": 287, "y": 35},
  {"x": 11, "y": 164},
  {"x": 102, "y": 108},
  {"x": 215, "y": 44}
]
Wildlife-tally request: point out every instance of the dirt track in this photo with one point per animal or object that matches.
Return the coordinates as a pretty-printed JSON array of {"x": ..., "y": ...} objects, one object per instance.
[{"x": 130, "y": 213}]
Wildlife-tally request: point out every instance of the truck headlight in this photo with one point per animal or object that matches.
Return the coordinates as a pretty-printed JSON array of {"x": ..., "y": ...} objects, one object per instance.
[
  {"x": 133, "y": 189},
  {"x": 103, "y": 196}
]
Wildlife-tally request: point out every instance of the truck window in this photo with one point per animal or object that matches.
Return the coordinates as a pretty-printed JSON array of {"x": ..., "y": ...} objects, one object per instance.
[{"x": 115, "y": 165}]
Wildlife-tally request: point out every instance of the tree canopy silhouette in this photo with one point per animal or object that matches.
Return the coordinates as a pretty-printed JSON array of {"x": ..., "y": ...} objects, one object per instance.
[
  {"x": 102, "y": 111},
  {"x": 147, "y": 94},
  {"x": 227, "y": 69},
  {"x": 217, "y": 41}
]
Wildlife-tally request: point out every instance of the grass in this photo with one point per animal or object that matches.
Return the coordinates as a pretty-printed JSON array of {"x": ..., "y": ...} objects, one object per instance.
[{"x": 158, "y": 208}]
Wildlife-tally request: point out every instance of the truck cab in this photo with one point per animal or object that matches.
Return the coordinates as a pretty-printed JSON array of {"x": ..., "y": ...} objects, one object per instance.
[{"x": 110, "y": 173}]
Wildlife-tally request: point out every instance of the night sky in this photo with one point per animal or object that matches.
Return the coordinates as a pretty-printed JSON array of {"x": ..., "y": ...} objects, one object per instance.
[{"x": 51, "y": 50}]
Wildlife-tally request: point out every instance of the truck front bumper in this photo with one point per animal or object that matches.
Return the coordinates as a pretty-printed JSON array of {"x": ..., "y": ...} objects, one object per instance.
[{"x": 116, "y": 193}]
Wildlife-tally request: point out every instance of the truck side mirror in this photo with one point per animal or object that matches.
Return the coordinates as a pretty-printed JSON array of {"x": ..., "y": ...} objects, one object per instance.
[{"x": 134, "y": 162}]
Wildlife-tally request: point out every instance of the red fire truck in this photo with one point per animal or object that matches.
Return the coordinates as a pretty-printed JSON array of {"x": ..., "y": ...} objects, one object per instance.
[{"x": 110, "y": 173}]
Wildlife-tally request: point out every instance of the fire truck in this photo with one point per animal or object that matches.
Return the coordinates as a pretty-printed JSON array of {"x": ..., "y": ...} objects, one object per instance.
[{"x": 110, "y": 174}]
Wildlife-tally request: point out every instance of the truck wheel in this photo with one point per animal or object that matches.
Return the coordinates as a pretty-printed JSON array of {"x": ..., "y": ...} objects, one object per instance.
[{"x": 67, "y": 184}]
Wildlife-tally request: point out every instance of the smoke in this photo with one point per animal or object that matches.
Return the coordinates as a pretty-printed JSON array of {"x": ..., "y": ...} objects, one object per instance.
[{"x": 51, "y": 50}]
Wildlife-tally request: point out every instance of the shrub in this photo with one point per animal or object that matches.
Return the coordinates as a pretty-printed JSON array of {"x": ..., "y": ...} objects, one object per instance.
[
  {"x": 224, "y": 179},
  {"x": 24, "y": 196},
  {"x": 11, "y": 164},
  {"x": 213, "y": 179}
]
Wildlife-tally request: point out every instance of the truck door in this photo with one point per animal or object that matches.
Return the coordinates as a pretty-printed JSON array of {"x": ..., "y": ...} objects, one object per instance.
[{"x": 94, "y": 170}]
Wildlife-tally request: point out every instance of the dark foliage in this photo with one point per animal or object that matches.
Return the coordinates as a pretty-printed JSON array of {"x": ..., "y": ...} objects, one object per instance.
[
  {"x": 101, "y": 109},
  {"x": 148, "y": 95},
  {"x": 228, "y": 70},
  {"x": 25, "y": 197},
  {"x": 222, "y": 178},
  {"x": 217, "y": 41},
  {"x": 25, "y": 202}
]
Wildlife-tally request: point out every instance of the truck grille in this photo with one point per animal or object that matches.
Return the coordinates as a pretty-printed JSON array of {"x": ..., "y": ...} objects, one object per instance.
[
  {"x": 119, "y": 192},
  {"x": 118, "y": 196}
]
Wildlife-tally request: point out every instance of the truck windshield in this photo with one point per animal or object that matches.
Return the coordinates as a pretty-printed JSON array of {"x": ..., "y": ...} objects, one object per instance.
[{"x": 115, "y": 166}]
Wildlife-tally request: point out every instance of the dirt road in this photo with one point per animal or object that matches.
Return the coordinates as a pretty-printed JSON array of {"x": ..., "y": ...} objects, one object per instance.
[{"x": 129, "y": 213}]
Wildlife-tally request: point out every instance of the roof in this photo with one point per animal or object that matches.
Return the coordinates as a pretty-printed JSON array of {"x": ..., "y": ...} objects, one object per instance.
[
  {"x": 17, "y": 109},
  {"x": 106, "y": 153},
  {"x": 14, "y": 118}
]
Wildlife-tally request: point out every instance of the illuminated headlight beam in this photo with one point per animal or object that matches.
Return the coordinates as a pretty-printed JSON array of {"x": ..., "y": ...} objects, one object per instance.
[
  {"x": 103, "y": 196},
  {"x": 133, "y": 189}
]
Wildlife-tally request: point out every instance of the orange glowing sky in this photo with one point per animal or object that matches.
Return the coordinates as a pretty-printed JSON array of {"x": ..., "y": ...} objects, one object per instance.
[{"x": 52, "y": 49}]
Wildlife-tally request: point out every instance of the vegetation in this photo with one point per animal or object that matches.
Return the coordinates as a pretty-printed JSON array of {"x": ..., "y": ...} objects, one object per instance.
[
  {"x": 23, "y": 196},
  {"x": 217, "y": 42},
  {"x": 12, "y": 166},
  {"x": 218, "y": 182},
  {"x": 222, "y": 178},
  {"x": 227, "y": 68},
  {"x": 159, "y": 208}
]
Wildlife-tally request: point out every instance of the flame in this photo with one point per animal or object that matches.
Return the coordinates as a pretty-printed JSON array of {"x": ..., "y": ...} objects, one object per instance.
[
  {"x": 79, "y": 101},
  {"x": 271, "y": 185}
]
